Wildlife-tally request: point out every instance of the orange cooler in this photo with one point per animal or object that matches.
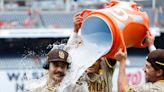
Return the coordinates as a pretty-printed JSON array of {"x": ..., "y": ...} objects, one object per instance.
[{"x": 120, "y": 24}]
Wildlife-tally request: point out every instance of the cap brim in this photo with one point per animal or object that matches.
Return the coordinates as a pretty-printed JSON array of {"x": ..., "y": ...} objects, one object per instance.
[{"x": 58, "y": 60}]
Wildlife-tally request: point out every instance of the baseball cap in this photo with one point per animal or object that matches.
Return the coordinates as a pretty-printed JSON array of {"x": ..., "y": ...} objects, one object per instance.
[
  {"x": 156, "y": 58},
  {"x": 56, "y": 55}
]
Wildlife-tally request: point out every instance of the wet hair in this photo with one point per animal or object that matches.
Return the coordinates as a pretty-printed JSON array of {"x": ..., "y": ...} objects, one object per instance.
[{"x": 47, "y": 64}]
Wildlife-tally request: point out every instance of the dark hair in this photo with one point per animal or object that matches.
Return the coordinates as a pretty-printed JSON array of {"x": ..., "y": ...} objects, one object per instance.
[
  {"x": 156, "y": 58},
  {"x": 46, "y": 65}
]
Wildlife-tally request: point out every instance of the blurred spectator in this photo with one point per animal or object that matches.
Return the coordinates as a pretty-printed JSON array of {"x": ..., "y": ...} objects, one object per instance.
[
  {"x": 2, "y": 24},
  {"x": 12, "y": 24},
  {"x": 54, "y": 25},
  {"x": 27, "y": 23},
  {"x": 161, "y": 16},
  {"x": 9, "y": 24},
  {"x": 32, "y": 20}
]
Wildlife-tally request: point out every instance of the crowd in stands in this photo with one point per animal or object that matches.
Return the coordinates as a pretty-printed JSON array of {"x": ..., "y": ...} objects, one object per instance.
[
  {"x": 47, "y": 14},
  {"x": 51, "y": 19}
]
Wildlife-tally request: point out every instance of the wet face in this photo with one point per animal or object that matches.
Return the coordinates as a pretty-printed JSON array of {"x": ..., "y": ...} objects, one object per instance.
[
  {"x": 150, "y": 73},
  {"x": 57, "y": 71},
  {"x": 94, "y": 68}
]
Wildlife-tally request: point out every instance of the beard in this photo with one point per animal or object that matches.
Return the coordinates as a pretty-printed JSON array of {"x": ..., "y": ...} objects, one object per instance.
[
  {"x": 147, "y": 80},
  {"x": 58, "y": 76}
]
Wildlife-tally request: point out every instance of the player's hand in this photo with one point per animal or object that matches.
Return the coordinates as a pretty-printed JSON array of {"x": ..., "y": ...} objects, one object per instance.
[
  {"x": 121, "y": 56},
  {"x": 77, "y": 19},
  {"x": 149, "y": 39}
]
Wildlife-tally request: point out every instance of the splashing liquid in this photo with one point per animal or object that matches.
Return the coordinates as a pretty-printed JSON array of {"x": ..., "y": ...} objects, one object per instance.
[{"x": 82, "y": 57}]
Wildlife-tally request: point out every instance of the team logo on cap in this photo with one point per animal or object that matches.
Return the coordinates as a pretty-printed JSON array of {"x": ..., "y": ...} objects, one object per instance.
[{"x": 61, "y": 54}]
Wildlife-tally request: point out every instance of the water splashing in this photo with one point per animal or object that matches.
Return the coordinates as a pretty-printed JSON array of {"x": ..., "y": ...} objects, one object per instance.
[{"x": 82, "y": 58}]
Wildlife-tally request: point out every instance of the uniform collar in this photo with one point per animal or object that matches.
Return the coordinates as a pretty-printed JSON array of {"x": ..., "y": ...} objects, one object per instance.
[{"x": 161, "y": 80}]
